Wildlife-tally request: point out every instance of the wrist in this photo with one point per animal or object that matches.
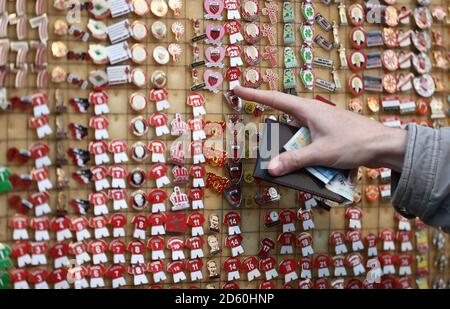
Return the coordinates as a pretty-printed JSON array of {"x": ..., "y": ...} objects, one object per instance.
[{"x": 389, "y": 147}]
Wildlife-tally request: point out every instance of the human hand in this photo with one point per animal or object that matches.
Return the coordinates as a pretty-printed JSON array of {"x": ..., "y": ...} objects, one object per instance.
[{"x": 340, "y": 139}]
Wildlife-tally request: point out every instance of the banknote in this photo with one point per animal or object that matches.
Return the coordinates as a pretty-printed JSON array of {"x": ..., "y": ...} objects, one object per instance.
[
  {"x": 343, "y": 186},
  {"x": 302, "y": 138}
]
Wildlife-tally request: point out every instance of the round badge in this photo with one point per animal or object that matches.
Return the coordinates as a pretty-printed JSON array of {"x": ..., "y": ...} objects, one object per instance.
[
  {"x": 138, "y": 77},
  {"x": 159, "y": 30},
  {"x": 391, "y": 2},
  {"x": 357, "y": 60},
  {"x": 389, "y": 37},
  {"x": 139, "y": 30},
  {"x": 356, "y": 85},
  {"x": 358, "y": 37},
  {"x": 158, "y": 79},
  {"x": 59, "y": 49},
  {"x": 372, "y": 193},
  {"x": 390, "y": 60},
  {"x": 421, "y": 40},
  {"x": 356, "y": 14},
  {"x": 373, "y": 173},
  {"x": 139, "y": 151},
  {"x": 391, "y": 16},
  {"x": 138, "y": 200},
  {"x": 252, "y": 33},
  {"x": 252, "y": 55},
  {"x": 252, "y": 77},
  {"x": 250, "y": 10},
  {"x": 60, "y": 27},
  {"x": 139, "y": 53},
  {"x": 389, "y": 83},
  {"x": 424, "y": 85},
  {"x": 138, "y": 102},
  {"x": 140, "y": 7},
  {"x": 355, "y": 105},
  {"x": 373, "y": 104},
  {"x": 161, "y": 55},
  {"x": 422, "y": 17},
  {"x": 139, "y": 126},
  {"x": 422, "y": 106},
  {"x": 137, "y": 177},
  {"x": 159, "y": 7},
  {"x": 421, "y": 63}
]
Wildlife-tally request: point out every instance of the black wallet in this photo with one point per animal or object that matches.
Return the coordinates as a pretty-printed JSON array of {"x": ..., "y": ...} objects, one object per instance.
[{"x": 301, "y": 179}]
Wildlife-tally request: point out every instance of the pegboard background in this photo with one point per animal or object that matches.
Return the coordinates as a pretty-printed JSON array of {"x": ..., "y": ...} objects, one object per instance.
[{"x": 14, "y": 130}]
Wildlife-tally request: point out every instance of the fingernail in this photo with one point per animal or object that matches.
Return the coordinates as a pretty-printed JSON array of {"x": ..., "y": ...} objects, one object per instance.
[{"x": 275, "y": 167}]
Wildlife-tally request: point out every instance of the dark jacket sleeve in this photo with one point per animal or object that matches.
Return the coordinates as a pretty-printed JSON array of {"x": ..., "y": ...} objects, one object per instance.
[{"x": 423, "y": 188}]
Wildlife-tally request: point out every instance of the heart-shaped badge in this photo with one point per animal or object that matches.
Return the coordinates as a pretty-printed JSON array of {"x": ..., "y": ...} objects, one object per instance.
[
  {"x": 214, "y": 34},
  {"x": 215, "y": 56},
  {"x": 213, "y": 9},
  {"x": 213, "y": 80}
]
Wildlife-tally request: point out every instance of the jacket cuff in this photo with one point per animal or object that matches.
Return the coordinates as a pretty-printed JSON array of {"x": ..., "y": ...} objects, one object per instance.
[{"x": 413, "y": 187}]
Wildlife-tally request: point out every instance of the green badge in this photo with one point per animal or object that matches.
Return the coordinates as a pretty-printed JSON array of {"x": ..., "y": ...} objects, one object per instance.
[
  {"x": 308, "y": 11},
  {"x": 307, "y": 55},
  {"x": 288, "y": 12},
  {"x": 5, "y": 261},
  {"x": 290, "y": 61},
  {"x": 307, "y": 33},
  {"x": 288, "y": 34},
  {"x": 4, "y": 279},
  {"x": 307, "y": 77},
  {"x": 5, "y": 184},
  {"x": 289, "y": 81}
]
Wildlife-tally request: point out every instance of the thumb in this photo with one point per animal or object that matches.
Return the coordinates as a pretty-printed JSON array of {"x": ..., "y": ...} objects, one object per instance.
[{"x": 290, "y": 161}]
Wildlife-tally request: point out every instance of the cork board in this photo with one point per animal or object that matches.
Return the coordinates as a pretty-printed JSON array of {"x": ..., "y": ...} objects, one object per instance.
[{"x": 14, "y": 131}]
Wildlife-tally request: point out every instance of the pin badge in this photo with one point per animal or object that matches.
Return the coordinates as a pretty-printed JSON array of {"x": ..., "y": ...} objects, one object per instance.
[
  {"x": 308, "y": 11},
  {"x": 213, "y": 9},
  {"x": 389, "y": 37},
  {"x": 356, "y": 14},
  {"x": 307, "y": 77},
  {"x": 357, "y": 60},
  {"x": 252, "y": 77},
  {"x": 250, "y": 10},
  {"x": 252, "y": 33},
  {"x": 422, "y": 41},
  {"x": 307, "y": 54},
  {"x": 270, "y": 33},
  {"x": 159, "y": 7},
  {"x": 214, "y": 34},
  {"x": 307, "y": 32},
  {"x": 213, "y": 80},
  {"x": 424, "y": 85},
  {"x": 271, "y": 78},
  {"x": 159, "y": 30},
  {"x": 215, "y": 56},
  {"x": 139, "y": 151},
  {"x": 422, "y": 17},
  {"x": 389, "y": 83},
  {"x": 252, "y": 55},
  {"x": 358, "y": 37},
  {"x": 391, "y": 16},
  {"x": 161, "y": 55},
  {"x": 290, "y": 61},
  {"x": 421, "y": 63},
  {"x": 271, "y": 10},
  {"x": 139, "y": 126},
  {"x": 137, "y": 177},
  {"x": 390, "y": 60},
  {"x": 356, "y": 85}
]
